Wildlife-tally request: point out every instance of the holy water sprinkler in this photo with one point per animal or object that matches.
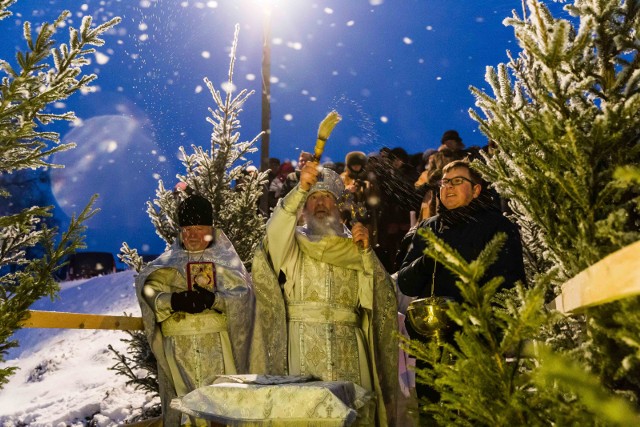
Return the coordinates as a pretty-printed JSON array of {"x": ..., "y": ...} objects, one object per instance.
[{"x": 324, "y": 131}]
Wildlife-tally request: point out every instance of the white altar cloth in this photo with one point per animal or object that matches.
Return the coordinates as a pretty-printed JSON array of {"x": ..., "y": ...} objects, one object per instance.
[{"x": 262, "y": 400}]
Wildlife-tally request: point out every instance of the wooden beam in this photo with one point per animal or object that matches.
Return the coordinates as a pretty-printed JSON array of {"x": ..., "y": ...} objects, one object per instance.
[
  {"x": 55, "y": 319},
  {"x": 614, "y": 277}
]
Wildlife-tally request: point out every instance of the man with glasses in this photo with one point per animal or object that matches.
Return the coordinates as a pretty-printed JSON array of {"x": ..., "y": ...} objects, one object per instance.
[{"x": 467, "y": 219}]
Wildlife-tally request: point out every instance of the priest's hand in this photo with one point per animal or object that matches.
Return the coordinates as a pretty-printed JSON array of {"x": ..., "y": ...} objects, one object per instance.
[
  {"x": 208, "y": 297},
  {"x": 189, "y": 301},
  {"x": 360, "y": 234},
  {"x": 309, "y": 175}
]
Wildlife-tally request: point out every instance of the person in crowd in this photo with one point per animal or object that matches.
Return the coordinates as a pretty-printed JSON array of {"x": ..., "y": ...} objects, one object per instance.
[
  {"x": 428, "y": 163},
  {"x": 274, "y": 166},
  {"x": 401, "y": 164},
  {"x": 360, "y": 200},
  {"x": 451, "y": 140},
  {"x": 333, "y": 313},
  {"x": 197, "y": 308},
  {"x": 340, "y": 167},
  {"x": 417, "y": 163},
  {"x": 337, "y": 167},
  {"x": 393, "y": 180},
  {"x": 277, "y": 184},
  {"x": 294, "y": 177},
  {"x": 467, "y": 220}
]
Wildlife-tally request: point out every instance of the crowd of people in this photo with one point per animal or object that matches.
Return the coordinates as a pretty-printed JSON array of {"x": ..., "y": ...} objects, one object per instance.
[
  {"x": 322, "y": 300},
  {"x": 389, "y": 191}
]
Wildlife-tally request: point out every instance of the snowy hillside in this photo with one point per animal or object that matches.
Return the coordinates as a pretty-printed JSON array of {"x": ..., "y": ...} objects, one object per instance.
[{"x": 64, "y": 377}]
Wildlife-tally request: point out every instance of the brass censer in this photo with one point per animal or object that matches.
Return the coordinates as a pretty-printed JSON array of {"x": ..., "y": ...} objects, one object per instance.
[{"x": 428, "y": 317}]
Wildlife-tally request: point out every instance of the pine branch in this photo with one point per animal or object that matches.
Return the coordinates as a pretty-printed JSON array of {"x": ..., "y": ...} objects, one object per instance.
[
  {"x": 141, "y": 367},
  {"x": 130, "y": 257},
  {"x": 498, "y": 372}
]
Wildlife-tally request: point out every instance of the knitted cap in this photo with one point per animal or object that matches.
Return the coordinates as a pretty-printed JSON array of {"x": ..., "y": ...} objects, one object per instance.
[
  {"x": 329, "y": 181},
  {"x": 195, "y": 210}
]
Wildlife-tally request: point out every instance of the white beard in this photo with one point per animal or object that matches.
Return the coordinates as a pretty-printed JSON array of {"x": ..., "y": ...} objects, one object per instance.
[{"x": 329, "y": 225}]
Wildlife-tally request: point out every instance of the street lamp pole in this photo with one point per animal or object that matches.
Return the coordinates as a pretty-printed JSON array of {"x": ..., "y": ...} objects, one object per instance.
[{"x": 266, "y": 104}]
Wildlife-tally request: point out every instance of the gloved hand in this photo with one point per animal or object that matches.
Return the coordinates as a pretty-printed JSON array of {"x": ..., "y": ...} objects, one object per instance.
[
  {"x": 188, "y": 301},
  {"x": 207, "y": 297}
]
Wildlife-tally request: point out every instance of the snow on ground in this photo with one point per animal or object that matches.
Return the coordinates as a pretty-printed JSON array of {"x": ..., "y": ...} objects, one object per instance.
[{"x": 63, "y": 377}]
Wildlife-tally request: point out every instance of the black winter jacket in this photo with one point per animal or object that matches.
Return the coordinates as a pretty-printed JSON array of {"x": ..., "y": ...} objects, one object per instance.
[{"x": 467, "y": 230}]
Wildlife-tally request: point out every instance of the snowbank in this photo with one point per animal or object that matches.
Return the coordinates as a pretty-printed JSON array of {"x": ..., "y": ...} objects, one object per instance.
[{"x": 64, "y": 377}]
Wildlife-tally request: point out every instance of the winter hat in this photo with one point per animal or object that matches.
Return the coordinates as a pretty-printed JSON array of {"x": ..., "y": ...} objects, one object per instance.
[
  {"x": 195, "y": 210},
  {"x": 284, "y": 170},
  {"x": 450, "y": 135},
  {"x": 329, "y": 181},
  {"x": 356, "y": 158}
]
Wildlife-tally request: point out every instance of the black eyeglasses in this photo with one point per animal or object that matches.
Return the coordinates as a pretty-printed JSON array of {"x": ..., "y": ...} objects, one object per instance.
[{"x": 455, "y": 181}]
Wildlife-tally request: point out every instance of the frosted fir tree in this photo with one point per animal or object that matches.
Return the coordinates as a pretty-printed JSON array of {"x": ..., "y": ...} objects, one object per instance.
[
  {"x": 565, "y": 121},
  {"x": 565, "y": 117},
  {"x": 218, "y": 174},
  {"x": 44, "y": 73}
]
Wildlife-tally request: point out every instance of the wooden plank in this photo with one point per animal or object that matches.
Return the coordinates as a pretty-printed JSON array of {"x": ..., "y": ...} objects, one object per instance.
[
  {"x": 56, "y": 319},
  {"x": 614, "y": 277}
]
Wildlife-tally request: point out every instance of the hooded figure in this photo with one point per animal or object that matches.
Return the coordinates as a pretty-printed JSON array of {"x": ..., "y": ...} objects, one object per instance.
[
  {"x": 197, "y": 308},
  {"x": 334, "y": 314}
]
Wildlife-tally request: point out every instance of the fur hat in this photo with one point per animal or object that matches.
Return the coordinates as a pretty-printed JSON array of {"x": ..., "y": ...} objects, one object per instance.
[
  {"x": 356, "y": 158},
  {"x": 329, "y": 181},
  {"x": 195, "y": 210}
]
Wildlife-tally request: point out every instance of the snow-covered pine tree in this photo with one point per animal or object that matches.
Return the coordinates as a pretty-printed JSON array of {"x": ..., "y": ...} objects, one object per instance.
[
  {"x": 569, "y": 118},
  {"x": 565, "y": 116},
  {"x": 43, "y": 74},
  {"x": 217, "y": 174}
]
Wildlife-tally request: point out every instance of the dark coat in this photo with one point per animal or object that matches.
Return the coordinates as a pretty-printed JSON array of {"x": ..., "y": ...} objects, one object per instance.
[
  {"x": 290, "y": 182},
  {"x": 467, "y": 230}
]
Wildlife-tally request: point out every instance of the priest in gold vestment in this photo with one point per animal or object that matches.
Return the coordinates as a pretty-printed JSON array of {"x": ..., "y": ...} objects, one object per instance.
[
  {"x": 197, "y": 309},
  {"x": 325, "y": 306}
]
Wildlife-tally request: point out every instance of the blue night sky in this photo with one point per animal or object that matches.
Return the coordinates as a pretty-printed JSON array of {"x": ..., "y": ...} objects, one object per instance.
[{"x": 397, "y": 71}]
